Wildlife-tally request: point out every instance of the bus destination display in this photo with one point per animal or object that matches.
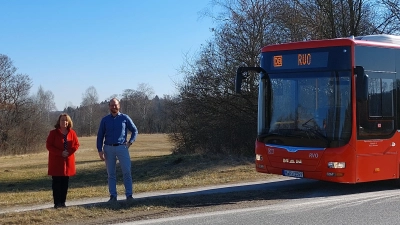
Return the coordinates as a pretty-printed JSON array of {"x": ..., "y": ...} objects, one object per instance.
[{"x": 300, "y": 60}]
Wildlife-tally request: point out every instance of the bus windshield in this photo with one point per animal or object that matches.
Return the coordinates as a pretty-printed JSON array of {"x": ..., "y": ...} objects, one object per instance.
[{"x": 309, "y": 109}]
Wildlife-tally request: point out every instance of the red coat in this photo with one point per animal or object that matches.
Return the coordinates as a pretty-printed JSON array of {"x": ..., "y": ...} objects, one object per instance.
[{"x": 58, "y": 165}]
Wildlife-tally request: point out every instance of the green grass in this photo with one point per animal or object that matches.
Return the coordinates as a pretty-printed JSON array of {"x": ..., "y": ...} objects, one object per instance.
[{"x": 24, "y": 180}]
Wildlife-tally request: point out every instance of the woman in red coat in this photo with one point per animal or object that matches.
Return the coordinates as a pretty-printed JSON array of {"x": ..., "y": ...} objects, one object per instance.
[{"x": 62, "y": 144}]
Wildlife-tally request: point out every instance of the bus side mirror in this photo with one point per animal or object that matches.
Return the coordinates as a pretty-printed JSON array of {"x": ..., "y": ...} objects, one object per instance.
[
  {"x": 238, "y": 80},
  {"x": 240, "y": 77},
  {"x": 361, "y": 84}
]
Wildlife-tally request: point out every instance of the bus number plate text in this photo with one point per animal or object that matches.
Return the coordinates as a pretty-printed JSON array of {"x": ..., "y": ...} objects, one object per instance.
[{"x": 291, "y": 173}]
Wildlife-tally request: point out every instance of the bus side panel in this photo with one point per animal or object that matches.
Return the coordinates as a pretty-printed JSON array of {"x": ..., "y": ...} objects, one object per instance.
[
  {"x": 376, "y": 167},
  {"x": 377, "y": 160}
]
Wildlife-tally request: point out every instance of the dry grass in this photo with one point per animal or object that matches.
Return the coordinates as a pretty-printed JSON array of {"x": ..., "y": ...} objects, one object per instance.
[{"x": 24, "y": 180}]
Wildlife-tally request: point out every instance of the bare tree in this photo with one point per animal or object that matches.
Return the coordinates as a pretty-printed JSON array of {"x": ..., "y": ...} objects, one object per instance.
[
  {"x": 391, "y": 21},
  {"x": 128, "y": 100},
  {"x": 44, "y": 100},
  {"x": 208, "y": 117},
  {"x": 136, "y": 103},
  {"x": 300, "y": 20},
  {"x": 144, "y": 95},
  {"x": 15, "y": 106},
  {"x": 90, "y": 97},
  {"x": 88, "y": 114}
]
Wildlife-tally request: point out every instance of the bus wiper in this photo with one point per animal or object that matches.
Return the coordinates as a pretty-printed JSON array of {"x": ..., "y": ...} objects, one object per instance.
[
  {"x": 289, "y": 133},
  {"x": 278, "y": 134},
  {"x": 316, "y": 133},
  {"x": 306, "y": 124}
]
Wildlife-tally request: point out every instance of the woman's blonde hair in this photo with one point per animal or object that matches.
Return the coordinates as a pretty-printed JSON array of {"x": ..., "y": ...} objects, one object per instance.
[{"x": 70, "y": 123}]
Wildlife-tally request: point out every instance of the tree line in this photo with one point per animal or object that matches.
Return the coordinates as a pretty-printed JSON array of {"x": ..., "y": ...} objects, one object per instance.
[
  {"x": 206, "y": 116},
  {"x": 25, "y": 120},
  {"x": 148, "y": 112}
]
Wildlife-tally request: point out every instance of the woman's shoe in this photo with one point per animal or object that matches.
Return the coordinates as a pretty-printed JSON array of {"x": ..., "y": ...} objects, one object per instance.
[{"x": 59, "y": 205}]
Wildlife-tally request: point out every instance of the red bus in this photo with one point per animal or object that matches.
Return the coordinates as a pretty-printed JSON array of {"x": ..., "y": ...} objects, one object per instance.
[{"x": 329, "y": 109}]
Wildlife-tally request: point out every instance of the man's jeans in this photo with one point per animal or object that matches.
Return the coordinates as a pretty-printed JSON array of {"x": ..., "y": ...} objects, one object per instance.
[{"x": 111, "y": 154}]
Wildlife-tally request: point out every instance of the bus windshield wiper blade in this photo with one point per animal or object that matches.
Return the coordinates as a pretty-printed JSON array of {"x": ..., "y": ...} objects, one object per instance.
[{"x": 318, "y": 134}]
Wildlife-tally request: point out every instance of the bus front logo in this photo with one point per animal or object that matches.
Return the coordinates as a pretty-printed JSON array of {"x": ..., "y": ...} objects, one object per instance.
[
  {"x": 313, "y": 155},
  {"x": 270, "y": 151},
  {"x": 277, "y": 61}
]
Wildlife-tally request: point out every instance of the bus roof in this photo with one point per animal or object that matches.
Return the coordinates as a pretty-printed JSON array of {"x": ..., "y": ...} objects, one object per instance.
[
  {"x": 385, "y": 38},
  {"x": 379, "y": 40}
]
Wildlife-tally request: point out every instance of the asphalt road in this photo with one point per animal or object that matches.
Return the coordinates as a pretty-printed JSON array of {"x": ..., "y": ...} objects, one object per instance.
[
  {"x": 309, "y": 202},
  {"x": 365, "y": 208}
]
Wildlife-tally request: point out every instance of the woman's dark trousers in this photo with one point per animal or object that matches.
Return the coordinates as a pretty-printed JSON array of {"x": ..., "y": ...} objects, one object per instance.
[{"x": 60, "y": 188}]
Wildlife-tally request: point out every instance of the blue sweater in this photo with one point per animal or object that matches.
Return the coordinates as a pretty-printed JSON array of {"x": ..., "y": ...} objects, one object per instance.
[{"x": 114, "y": 130}]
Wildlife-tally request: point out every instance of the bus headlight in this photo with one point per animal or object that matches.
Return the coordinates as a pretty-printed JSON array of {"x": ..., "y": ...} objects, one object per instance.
[
  {"x": 259, "y": 157},
  {"x": 337, "y": 165}
]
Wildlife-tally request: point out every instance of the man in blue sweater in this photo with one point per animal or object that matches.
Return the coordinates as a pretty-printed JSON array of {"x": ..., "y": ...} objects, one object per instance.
[{"x": 113, "y": 131}]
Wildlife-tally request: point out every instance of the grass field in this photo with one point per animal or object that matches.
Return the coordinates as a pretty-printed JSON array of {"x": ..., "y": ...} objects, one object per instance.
[{"x": 24, "y": 180}]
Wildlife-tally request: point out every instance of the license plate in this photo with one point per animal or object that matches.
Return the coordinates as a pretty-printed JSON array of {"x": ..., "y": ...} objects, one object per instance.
[{"x": 291, "y": 173}]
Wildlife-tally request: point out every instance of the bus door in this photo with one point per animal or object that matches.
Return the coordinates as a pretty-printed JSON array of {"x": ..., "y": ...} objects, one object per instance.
[{"x": 376, "y": 152}]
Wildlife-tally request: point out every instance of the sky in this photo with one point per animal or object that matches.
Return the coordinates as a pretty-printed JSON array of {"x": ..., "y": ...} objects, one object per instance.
[{"x": 67, "y": 46}]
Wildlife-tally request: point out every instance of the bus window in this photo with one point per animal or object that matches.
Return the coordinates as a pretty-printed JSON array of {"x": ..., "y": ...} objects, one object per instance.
[
  {"x": 311, "y": 105},
  {"x": 376, "y": 115}
]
